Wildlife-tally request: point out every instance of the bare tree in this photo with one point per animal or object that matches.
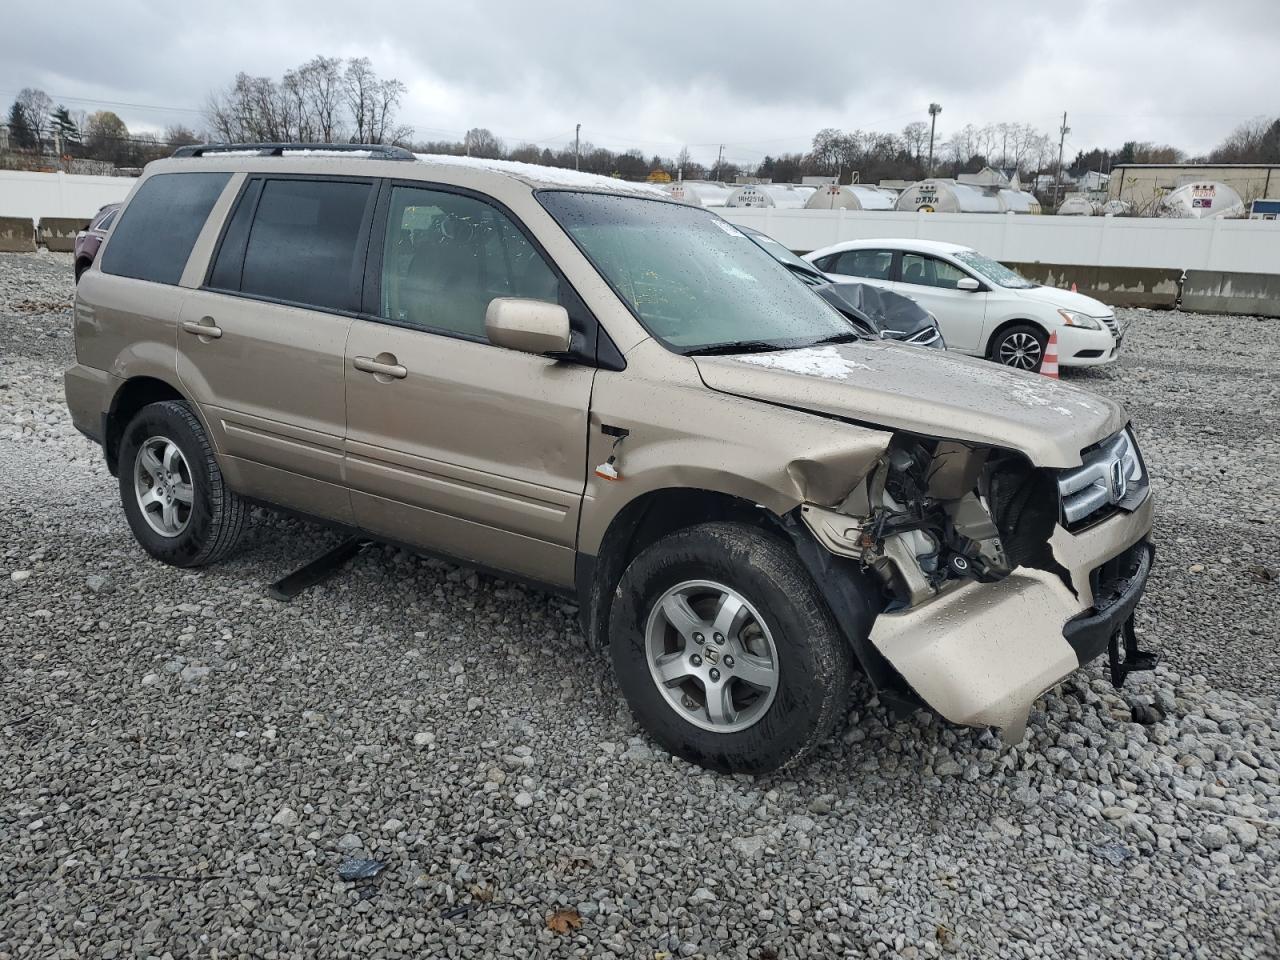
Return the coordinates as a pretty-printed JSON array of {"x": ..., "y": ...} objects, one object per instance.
[
  {"x": 179, "y": 135},
  {"x": 37, "y": 107},
  {"x": 359, "y": 87},
  {"x": 316, "y": 89},
  {"x": 914, "y": 136},
  {"x": 482, "y": 143},
  {"x": 325, "y": 100}
]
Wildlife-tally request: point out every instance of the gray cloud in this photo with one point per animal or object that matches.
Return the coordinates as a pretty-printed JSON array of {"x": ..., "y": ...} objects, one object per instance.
[{"x": 759, "y": 78}]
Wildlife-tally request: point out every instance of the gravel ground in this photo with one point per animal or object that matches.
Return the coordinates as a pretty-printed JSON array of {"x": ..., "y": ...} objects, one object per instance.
[{"x": 185, "y": 764}]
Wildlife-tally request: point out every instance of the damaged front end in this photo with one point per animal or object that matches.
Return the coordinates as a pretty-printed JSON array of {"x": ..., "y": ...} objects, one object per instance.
[{"x": 998, "y": 583}]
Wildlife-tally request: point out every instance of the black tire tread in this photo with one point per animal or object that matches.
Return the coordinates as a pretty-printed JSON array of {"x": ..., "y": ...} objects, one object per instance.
[
  {"x": 228, "y": 511},
  {"x": 834, "y": 665}
]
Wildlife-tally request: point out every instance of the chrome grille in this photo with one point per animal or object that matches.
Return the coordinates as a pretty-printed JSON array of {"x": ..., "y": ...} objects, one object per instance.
[
  {"x": 1099, "y": 485},
  {"x": 1110, "y": 322},
  {"x": 924, "y": 337}
]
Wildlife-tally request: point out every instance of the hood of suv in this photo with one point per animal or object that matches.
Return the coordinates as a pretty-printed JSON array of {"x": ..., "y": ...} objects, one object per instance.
[
  {"x": 1057, "y": 297},
  {"x": 925, "y": 391}
]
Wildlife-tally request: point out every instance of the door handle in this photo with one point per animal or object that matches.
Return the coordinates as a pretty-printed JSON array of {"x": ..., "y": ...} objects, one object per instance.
[
  {"x": 383, "y": 366},
  {"x": 205, "y": 327}
]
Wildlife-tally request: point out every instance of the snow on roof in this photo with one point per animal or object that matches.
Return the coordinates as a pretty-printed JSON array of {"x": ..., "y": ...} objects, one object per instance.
[{"x": 538, "y": 175}]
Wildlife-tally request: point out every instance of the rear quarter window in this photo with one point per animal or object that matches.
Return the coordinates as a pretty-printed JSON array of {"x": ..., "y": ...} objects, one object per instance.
[{"x": 159, "y": 227}]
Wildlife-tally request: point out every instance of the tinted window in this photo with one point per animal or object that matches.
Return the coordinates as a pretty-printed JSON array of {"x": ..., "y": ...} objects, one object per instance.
[
  {"x": 928, "y": 272},
  {"x": 448, "y": 255},
  {"x": 229, "y": 261},
  {"x": 302, "y": 245},
  {"x": 159, "y": 226},
  {"x": 873, "y": 264},
  {"x": 105, "y": 220}
]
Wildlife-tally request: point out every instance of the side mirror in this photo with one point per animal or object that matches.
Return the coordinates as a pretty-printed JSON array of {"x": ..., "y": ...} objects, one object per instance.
[
  {"x": 530, "y": 326},
  {"x": 967, "y": 283}
]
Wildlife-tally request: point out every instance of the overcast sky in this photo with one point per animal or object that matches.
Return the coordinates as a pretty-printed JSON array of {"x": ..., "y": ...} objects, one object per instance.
[{"x": 657, "y": 76}]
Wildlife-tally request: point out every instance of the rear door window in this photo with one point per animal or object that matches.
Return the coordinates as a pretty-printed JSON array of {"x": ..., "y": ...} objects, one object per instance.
[
  {"x": 303, "y": 243},
  {"x": 159, "y": 226},
  {"x": 873, "y": 264}
]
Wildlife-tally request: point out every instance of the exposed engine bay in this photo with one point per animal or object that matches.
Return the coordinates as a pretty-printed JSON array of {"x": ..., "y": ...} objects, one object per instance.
[
  {"x": 939, "y": 510},
  {"x": 989, "y": 587}
]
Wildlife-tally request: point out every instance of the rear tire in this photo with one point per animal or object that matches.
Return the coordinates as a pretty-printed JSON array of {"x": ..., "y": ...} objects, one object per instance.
[
  {"x": 1020, "y": 346},
  {"x": 178, "y": 505},
  {"x": 782, "y": 638}
]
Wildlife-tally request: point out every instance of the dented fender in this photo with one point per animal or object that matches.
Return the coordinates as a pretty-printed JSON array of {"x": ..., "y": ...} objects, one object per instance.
[{"x": 686, "y": 437}]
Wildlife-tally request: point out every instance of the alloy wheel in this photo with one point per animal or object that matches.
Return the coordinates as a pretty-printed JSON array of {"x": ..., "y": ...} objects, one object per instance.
[
  {"x": 1020, "y": 349},
  {"x": 162, "y": 484},
  {"x": 711, "y": 656}
]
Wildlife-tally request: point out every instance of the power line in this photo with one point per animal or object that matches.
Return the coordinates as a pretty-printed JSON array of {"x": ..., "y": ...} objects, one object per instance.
[{"x": 110, "y": 103}]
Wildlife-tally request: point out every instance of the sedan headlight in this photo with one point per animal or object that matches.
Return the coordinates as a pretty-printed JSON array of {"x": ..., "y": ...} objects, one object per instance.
[{"x": 1074, "y": 319}]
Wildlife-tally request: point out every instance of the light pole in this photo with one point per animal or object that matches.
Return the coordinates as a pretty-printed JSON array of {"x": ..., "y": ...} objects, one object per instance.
[
  {"x": 934, "y": 110},
  {"x": 577, "y": 133},
  {"x": 1062, "y": 141}
]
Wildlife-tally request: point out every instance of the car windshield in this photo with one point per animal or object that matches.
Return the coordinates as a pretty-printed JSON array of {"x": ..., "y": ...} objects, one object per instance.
[
  {"x": 993, "y": 270},
  {"x": 779, "y": 252},
  {"x": 694, "y": 281}
]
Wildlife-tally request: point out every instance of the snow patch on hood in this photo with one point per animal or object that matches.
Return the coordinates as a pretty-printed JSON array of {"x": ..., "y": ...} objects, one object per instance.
[{"x": 809, "y": 362}]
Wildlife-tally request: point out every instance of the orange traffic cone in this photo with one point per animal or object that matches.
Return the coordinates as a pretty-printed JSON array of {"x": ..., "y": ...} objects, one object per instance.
[
  {"x": 1073, "y": 287},
  {"x": 1049, "y": 365}
]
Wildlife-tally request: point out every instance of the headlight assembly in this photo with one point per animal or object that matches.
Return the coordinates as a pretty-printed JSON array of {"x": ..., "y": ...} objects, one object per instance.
[{"x": 1073, "y": 318}]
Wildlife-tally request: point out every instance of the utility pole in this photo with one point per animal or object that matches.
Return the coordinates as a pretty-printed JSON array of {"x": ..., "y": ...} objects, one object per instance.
[
  {"x": 1062, "y": 140},
  {"x": 719, "y": 160},
  {"x": 934, "y": 110},
  {"x": 577, "y": 140}
]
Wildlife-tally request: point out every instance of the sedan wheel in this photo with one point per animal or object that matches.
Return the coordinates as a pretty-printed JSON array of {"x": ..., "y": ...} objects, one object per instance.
[{"x": 1021, "y": 348}]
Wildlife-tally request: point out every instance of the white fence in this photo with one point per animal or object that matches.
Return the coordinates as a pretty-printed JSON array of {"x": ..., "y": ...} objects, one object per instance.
[
  {"x": 28, "y": 194},
  {"x": 1236, "y": 246}
]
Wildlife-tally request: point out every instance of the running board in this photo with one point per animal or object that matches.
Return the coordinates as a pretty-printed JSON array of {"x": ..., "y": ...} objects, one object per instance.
[{"x": 316, "y": 571}]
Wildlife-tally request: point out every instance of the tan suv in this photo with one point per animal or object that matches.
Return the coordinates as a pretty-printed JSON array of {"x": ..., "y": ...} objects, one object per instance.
[{"x": 576, "y": 382}]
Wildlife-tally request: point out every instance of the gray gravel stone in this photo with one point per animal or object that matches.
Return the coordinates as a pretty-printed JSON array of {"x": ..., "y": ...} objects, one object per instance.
[{"x": 131, "y": 834}]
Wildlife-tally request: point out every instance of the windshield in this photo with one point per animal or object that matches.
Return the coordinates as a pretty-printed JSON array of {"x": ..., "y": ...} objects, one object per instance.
[
  {"x": 993, "y": 270},
  {"x": 693, "y": 280},
  {"x": 779, "y": 252}
]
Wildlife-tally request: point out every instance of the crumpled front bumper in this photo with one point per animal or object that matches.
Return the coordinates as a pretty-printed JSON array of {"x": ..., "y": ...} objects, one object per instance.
[{"x": 979, "y": 654}]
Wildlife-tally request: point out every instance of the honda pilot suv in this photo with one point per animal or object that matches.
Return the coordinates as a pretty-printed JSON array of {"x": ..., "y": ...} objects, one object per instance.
[{"x": 578, "y": 383}]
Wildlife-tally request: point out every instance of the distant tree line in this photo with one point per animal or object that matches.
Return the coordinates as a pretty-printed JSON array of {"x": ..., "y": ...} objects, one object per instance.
[
  {"x": 336, "y": 100},
  {"x": 37, "y": 126}
]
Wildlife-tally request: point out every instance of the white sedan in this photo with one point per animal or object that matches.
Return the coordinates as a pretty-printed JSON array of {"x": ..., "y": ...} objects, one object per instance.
[{"x": 983, "y": 308}]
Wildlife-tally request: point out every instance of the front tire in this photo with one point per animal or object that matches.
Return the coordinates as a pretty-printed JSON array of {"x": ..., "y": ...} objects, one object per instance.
[
  {"x": 1020, "y": 346},
  {"x": 177, "y": 503},
  {"x": 725, "y": 651}
]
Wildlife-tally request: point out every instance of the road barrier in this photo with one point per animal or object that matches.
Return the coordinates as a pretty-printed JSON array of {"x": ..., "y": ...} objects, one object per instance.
[
  {"x": 17, "y": 235},
  {"x": 59, "y": 233}
]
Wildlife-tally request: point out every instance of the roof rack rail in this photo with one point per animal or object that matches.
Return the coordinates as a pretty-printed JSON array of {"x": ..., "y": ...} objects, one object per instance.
[{"x": 380, "y": 151}]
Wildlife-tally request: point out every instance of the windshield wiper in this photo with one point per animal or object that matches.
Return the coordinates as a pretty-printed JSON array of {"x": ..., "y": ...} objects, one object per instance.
[
  {"x": 847, "y": 337},
  {"x": 734, "y": 346}
]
